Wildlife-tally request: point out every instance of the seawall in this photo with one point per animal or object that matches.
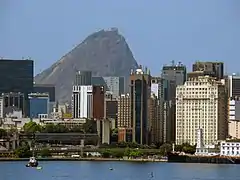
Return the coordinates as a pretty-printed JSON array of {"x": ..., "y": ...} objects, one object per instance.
[{"x": 84, "y": 159}]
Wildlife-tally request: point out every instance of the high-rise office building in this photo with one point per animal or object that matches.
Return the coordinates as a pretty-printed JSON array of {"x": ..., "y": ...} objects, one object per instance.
[
  {"x": 124, "y": 115},
  {"x": 201, "y": 104},
  {"x": 153, "y": 119},
  {"x": 45, "y": 88},
  {"x": 17, "y": 76},
  {"x": 39, "y": 104},
  {"x": 214, "y": 69},
  {"x": 83, "y": 78},
  {"x": 13, "y": 100},
  {"x": 82, "y": 102},
  {"x": 173, "y": 72},
  {"x": 233, "y": 83},
  {"x": 115, "y": 85},
  {"x": 98, "y": 94},
  {"x": 140, "y": 91}
]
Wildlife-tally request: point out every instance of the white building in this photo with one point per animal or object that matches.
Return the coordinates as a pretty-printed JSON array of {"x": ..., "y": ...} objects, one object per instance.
[
  {"x": 82, "y": 101},
  {"x": 201, "y": 103},
  {"x": 1, "y": 107},
  {"x": 230, "y": 148}
]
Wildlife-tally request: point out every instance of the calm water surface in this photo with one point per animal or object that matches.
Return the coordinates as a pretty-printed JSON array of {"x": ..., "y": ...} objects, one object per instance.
[{"x": 121, "y": 171}]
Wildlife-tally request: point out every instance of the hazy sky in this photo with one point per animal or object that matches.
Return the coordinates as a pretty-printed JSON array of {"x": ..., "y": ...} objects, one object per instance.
[{"x": 157, "y": 31}]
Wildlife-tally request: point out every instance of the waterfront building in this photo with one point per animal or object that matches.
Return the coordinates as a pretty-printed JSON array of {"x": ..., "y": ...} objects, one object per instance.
[
  {"x": 124, "y": 134},
  {"x": 230, "y": 148},
  {"x": 140, "y": 92},
  {"x": 201, "y": 103}
]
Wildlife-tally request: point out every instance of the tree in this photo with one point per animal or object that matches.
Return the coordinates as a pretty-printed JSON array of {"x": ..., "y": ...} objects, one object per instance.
[
  {"x": 45, "y": 152},
  {"x": 90, "y": 126},
  {"x": 23, "y": 151},
  {"x": 3, "y": 133},
  {"x": 49, "y": 128},
  {"x": 31, "y": 127},
  {"x": 106, "y": 153},
  {"x": 165, "y": 149}
]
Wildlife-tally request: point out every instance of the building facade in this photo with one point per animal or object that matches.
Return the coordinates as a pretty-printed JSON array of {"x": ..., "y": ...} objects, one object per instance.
[
  {"x": 124, "y": 113},
  {"x": 98, "y": 102},
  {"x": 234, "y": 86},
  {"x": 45, "y": 88},
  {"x": 230, "y": 148},
  {"x": 201, "y": 103},
  {"x": 177, "y": 73},
  {"x": 83, "y": 78},
  {"x": 213, "y": 69},
  {"x": 115, "y": 85},
  {"x": 140, "y": 92},
  {"x": 82, "y": 102},
  {"x": 39, "y": 104},
  {"x": 17, "y": 77}
]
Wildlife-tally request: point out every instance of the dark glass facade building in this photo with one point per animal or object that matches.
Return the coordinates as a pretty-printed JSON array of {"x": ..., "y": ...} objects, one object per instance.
[
  {"x": 83, "y": 78},
  {"x": 140, "y": 89},
  {"x": 39, "y": 104},
  {"x": 17, "y": 76},
  {"x": 45, "y": 88},
  {"x": 214, "y": 69}
]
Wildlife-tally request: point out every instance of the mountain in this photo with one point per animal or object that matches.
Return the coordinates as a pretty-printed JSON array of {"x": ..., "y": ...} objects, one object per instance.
[{"x": 105, "y": 53}]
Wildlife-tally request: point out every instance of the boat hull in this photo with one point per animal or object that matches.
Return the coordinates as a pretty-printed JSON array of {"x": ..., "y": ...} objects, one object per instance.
[
  {"x": 35, "y": 164},
  {"x": 176, "y": 158}
]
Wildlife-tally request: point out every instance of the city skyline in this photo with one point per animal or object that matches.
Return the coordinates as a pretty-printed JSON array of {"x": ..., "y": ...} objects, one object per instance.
[{"x": 169, "y": 30}]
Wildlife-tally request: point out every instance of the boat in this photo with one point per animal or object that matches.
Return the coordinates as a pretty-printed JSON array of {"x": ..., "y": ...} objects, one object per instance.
[
  {"x": 32, "y": 162},
  {"x": 216, "y": 159}
]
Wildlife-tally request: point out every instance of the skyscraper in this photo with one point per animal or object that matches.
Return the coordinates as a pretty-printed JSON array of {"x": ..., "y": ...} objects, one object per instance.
[
  {"x": 82, "y": 101},
  {"x": 213, "y": 69},
  {"x": 201, "y": 104},
  {"x": 173, "y": 72},
  {"x": 140, "y": 91},
  {"x": 17, "y": 76},
  {"x": 83, "y": 78},
  {"x": 115, "y": 85}
]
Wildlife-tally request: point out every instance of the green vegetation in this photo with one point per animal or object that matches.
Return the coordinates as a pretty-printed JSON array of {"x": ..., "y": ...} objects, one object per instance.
[
  {"x": 45, "y": 152},
  {"x": 185, "y": 147},
  {"x": 32, "y": 127},
  {"x": 23, "y": 151},
  {"x": 3, "y": 133}
]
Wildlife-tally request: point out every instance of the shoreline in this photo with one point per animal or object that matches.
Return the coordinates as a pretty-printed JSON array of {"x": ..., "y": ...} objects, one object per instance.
[{"x": 84, "y": 159}]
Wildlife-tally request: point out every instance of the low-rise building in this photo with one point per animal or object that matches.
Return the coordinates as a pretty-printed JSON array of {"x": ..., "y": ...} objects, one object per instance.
[{"x": 230, "y": 148}]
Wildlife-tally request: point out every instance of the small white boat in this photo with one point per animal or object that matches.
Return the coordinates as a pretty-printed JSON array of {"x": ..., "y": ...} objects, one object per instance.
[{"x": 32, "y": 162}]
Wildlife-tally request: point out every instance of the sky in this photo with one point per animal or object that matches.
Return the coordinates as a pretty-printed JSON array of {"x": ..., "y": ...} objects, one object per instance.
[{"x": 157, "y": 31}]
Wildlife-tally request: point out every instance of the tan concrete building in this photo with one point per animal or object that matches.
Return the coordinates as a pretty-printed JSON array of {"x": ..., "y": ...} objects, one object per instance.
[
  {"x": 234, "y": 129},
  {"x": 201, "y": 103},
  {"x": 124, "y": 114},
  {"x": 154, "y": 119}
]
